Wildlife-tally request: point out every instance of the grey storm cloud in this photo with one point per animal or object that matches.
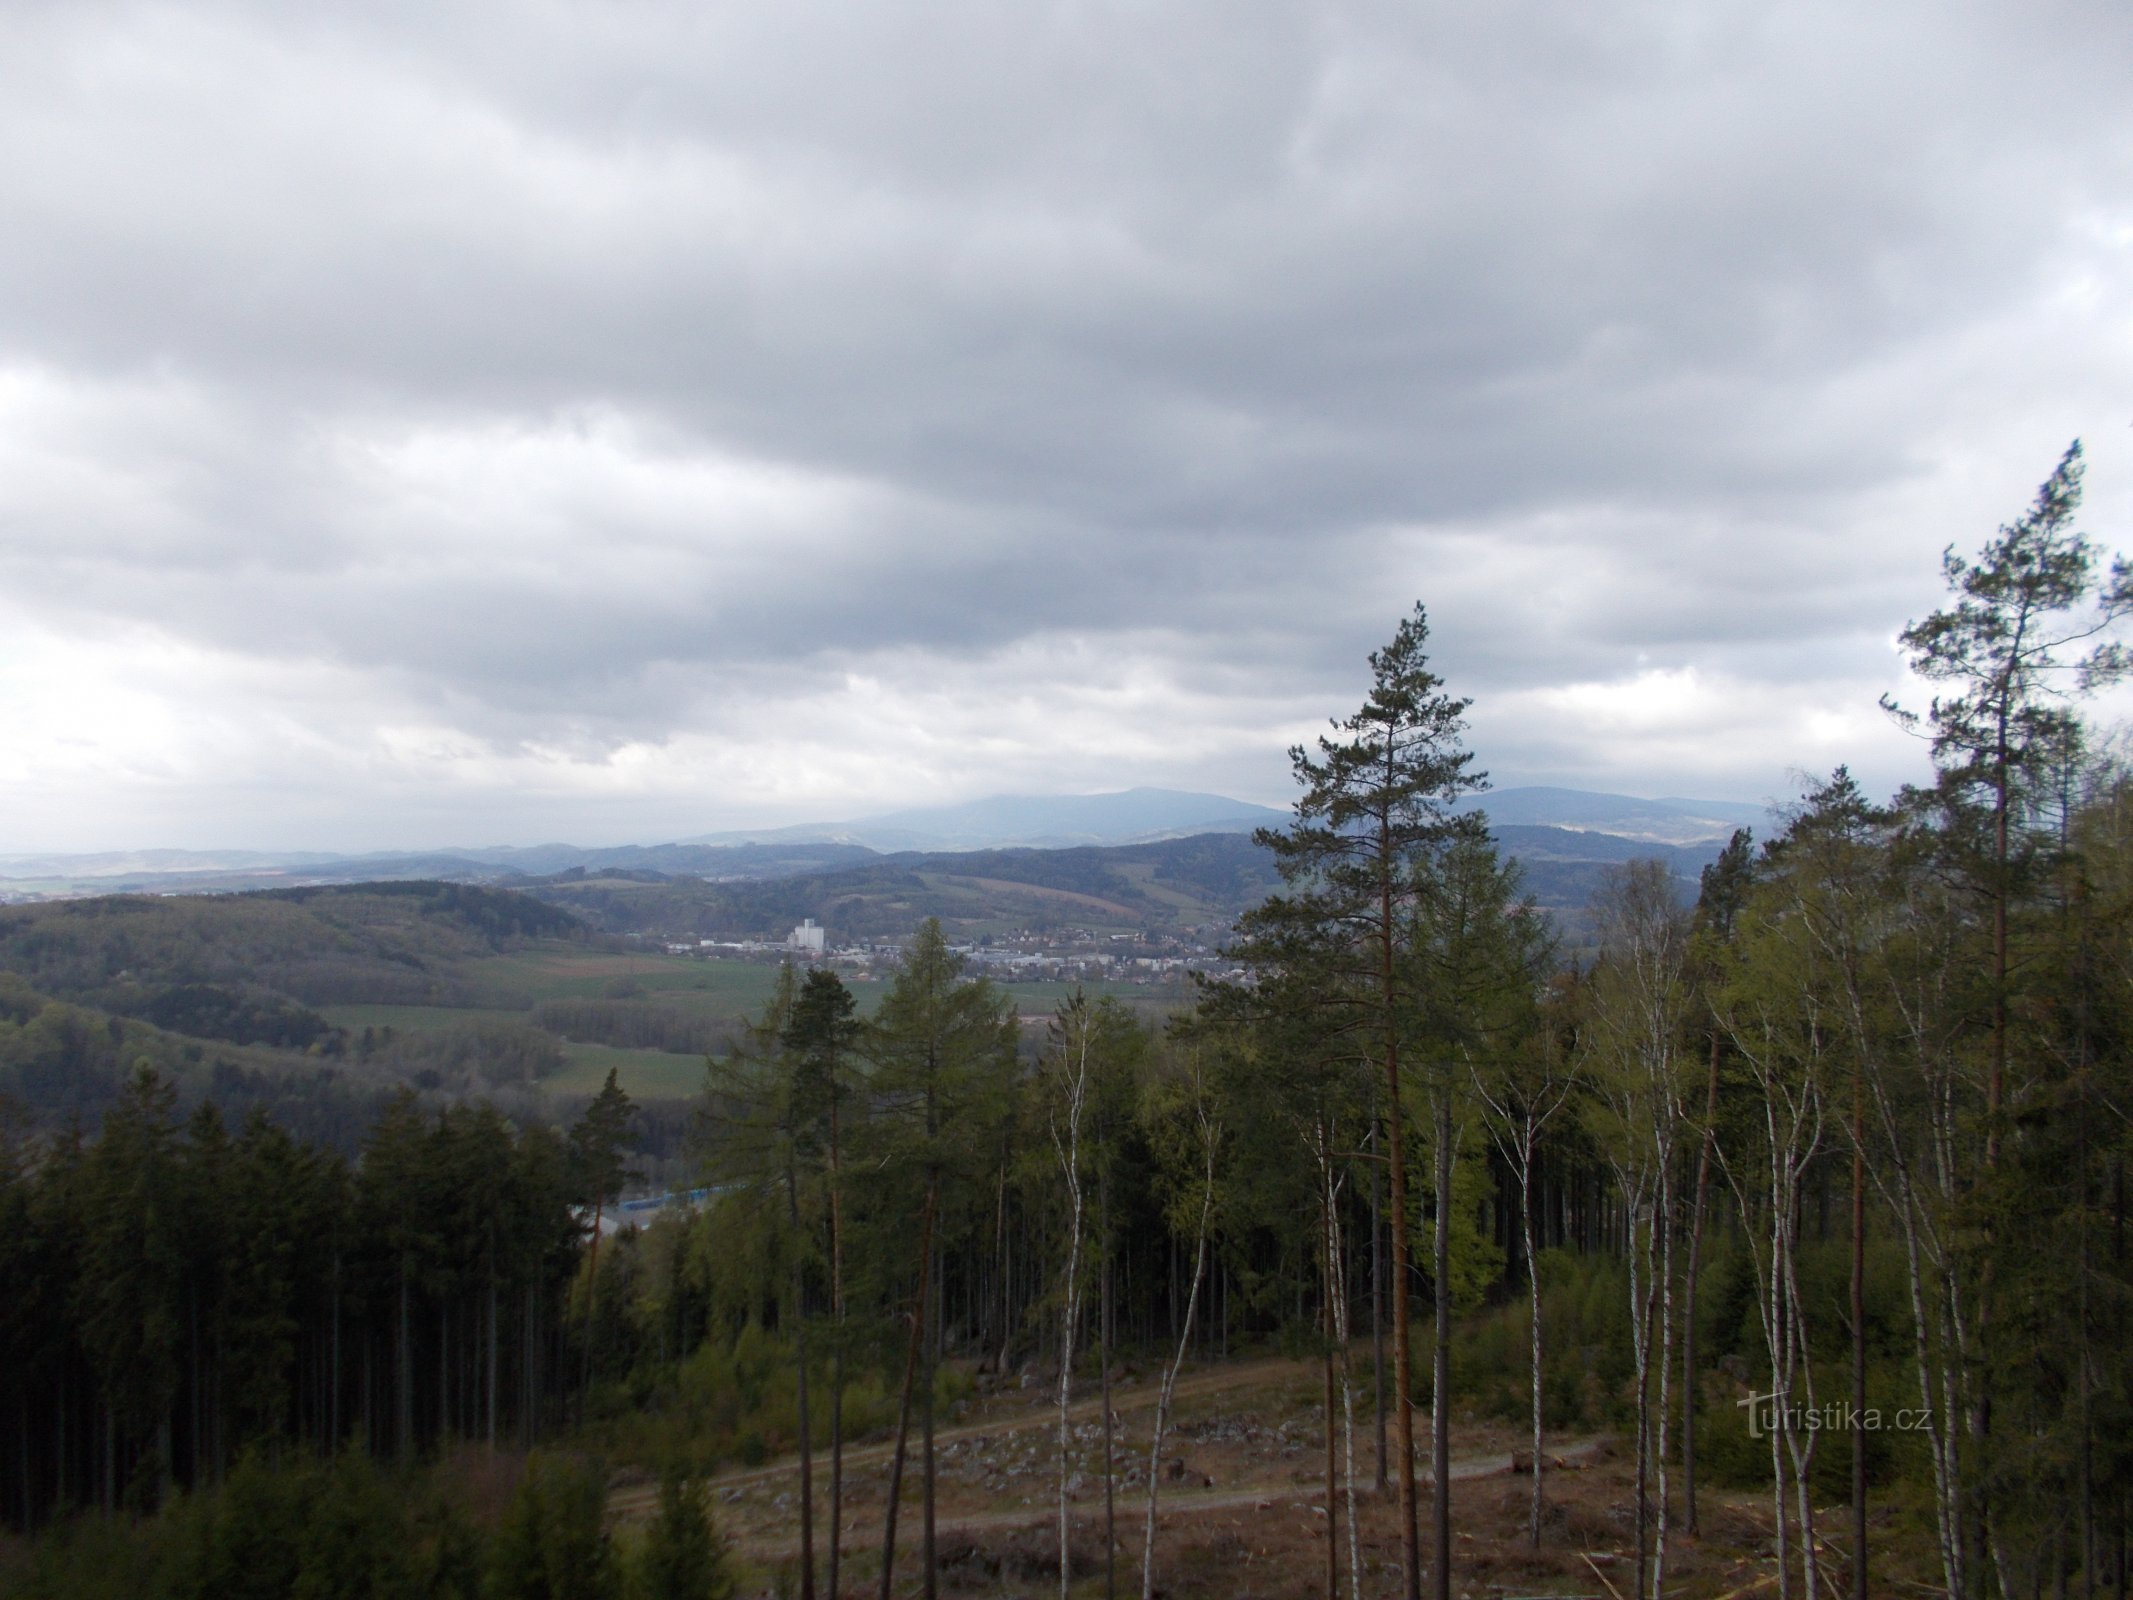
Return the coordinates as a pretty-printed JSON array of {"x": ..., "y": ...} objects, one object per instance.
[{"x": 455, "y": 393}]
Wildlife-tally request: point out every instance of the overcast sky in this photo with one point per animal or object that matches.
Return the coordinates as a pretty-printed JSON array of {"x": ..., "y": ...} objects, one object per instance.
[{"x": 431, "y": 423}]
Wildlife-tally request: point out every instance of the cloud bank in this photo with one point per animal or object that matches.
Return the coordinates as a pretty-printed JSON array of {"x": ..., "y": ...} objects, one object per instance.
[{"x": 481, "y": 423}]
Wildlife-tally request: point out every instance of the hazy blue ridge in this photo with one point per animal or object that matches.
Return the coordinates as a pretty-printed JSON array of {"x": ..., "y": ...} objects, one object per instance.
[{"x": 1538, "y": 824}]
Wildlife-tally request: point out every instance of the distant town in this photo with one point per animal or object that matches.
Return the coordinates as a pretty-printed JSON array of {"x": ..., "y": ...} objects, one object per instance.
[{"x": 1062, "y": 955}]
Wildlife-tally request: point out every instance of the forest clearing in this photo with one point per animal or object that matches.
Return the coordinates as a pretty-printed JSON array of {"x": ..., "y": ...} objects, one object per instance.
[{"x": 1244, "y": 1508}]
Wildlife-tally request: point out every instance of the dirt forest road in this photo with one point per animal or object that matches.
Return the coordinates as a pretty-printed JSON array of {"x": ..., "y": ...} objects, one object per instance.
[{"x": 1174, "y": 1502}]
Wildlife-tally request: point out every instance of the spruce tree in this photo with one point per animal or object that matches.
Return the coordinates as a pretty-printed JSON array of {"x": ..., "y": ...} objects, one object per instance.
[
  {"x": 684, "y": 1558},
  {"x": 821, "y": 1035},
  {"x": 944, "y": 1049}
]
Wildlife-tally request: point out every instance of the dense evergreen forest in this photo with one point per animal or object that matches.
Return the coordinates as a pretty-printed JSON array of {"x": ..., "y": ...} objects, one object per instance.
[{"x": 1816, "y": 1186}]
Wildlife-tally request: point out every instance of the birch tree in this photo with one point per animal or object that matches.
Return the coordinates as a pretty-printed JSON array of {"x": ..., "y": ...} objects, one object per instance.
[
  {"x": 1523, "y": 1095},
  {"x": 1085, "y": 1045},
  {"x": 1722, "y": 886},
  {"x": 1636, "y": 1065},
  {"x": 1183, "y": 1118},
  {"x": 1783, "y": 1012}
]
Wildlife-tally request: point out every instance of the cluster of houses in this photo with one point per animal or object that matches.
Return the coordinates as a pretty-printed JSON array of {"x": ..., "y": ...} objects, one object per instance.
[{"x": 1051, "y": 955}]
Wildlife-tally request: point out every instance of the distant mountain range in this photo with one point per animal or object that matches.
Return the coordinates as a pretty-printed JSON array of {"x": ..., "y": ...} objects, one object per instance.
[
  {"x": 1038, "y": 822},
  {"x": 1667, "y": 821},
  {"x": 1560, "y": 825}
]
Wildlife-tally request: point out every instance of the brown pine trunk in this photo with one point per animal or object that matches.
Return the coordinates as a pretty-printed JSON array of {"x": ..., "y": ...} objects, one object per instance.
[
  {"x": 1377, "y": 1325},
  {"x": 494, "y": 1342},
  {"x": 836, "y": 1540},
  {"x": 929, "y": 1579},
  {"x": 1858, "y": 1438},
  {"x": 807, "y": 1442},
  {"x": 1333, "y": 1564},
  {"x": 404, "y": 1400},
  {"x": 592, "y": 1282},
  {"x": 1402, "y": 1350},
  {"x": 1440, "y": 1416}
]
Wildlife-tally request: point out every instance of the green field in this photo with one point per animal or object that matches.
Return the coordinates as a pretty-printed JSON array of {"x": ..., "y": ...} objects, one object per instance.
[
  {"x": 1151, "y": 1002},
  {"x": 643, "y": 1074},
  {"x": 722, "y": 989},
  {"x": 559, "y": 973}
]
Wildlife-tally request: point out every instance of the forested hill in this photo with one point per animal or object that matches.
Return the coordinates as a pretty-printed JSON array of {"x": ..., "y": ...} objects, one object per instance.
[
  {"x": 1197, "y": 882},
  {"x": 247, "y": 969},
  {"x": 217, "y": 993},
  {"x": 1564, "y": 866},
  {"x": 390, "y": 943},
  {"x": 1201, "y": 882}
]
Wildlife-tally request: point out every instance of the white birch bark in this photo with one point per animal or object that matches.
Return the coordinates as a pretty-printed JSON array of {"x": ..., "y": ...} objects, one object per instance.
[
  {"x": 1073, "y": 1039},
  {"x": 1515, "y": 1121},
  {"x": 1787, "y": 1073},
  {"x": 1209, "y": 1137}
]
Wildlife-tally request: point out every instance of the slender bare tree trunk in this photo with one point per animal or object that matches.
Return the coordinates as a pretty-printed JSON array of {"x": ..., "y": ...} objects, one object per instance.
[
  {"x": 1337, "y": 1301},
  {"x": 1515, "y": 1122},
  {"x": 1933, "y": 1292},
  {"x": 1168, "y": 1389},
  {"x": 1695, "y": 1263},
  {"x": 903, "y": 1409},
  {"x": 1109, "y": 1335},
  {"x": 1641, "y": 1330},
  {"x": 1007, "y": 1271},
  {"x": 1533, "y": 1298},
  {"x": 1792, "y": 1127},
  {"x": 1333, "y": 1517},
  {"x": 1068, "y": 1149},
  {"x": 1663, "y": 1277},
  {"x": 1103, "y": 1317},
  {"x": 1377, "y": 1322}
]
